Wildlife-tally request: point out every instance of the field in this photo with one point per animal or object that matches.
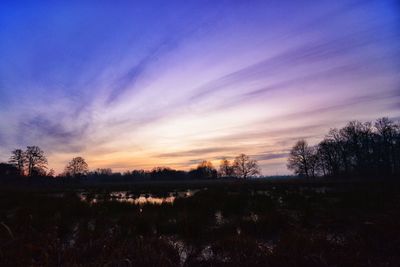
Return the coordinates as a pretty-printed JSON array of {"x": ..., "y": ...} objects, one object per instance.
[{"x": 214, "y": 223}]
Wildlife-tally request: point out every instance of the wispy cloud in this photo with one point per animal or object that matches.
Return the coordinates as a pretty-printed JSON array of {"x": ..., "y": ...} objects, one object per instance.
[
  {"x": 196, "y": 152},
  {"x": 136, "y": 86}
]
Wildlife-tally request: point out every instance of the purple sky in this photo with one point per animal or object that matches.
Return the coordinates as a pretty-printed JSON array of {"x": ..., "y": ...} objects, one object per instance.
[{"x": 170, "y": 83}]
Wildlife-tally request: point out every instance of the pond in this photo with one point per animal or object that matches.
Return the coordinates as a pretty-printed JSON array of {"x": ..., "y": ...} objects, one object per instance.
[{"x": 141, "y": 199}]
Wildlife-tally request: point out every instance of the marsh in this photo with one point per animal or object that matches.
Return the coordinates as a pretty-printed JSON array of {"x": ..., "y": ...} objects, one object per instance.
[{"x": 248, "y": 223}]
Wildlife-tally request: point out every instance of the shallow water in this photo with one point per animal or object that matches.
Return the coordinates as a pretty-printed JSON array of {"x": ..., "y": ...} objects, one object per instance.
[{"x": 126, "y": 197}]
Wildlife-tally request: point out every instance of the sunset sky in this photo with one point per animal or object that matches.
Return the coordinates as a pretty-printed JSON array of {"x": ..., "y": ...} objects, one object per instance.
[{"x": 131, "y": 85}]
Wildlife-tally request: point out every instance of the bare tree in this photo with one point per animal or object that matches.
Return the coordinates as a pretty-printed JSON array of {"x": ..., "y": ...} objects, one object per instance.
[
  {"x": 387, "y": 132},
  {"x": 18, "y": 159},
  {"x": 226, "y": 168},
  {"x": 357, "y": 149},
  {"x": 207, "y": 169},
  {"x": 302, "y": 159},
  {"x": 329, "y": 157},
  {"x": 36, "y": 160},
  {"x": 358, "y": 140},
  {"x": 103, "y": 171},
  {"x": 314, "y": 163},
  {"x": 77, "y": 167},
  {"x": 245, "y": 167}
]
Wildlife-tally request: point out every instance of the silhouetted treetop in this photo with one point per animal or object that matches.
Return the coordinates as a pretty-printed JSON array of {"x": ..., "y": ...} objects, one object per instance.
[
  {"x": 226, "y": 168},
  {"x": 77, "y": 167},
  {"x": 245, "y": 167},
  {"x": 361, "y": 149},
  {"x": 18, "y": 159}
]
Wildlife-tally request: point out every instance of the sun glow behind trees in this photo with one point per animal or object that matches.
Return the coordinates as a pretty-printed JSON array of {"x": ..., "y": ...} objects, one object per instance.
[{"x": 211, "y": 81}]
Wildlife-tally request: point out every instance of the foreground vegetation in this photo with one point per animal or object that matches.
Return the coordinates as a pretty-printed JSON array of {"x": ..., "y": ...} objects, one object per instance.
[{"x": 225, "y": 223}]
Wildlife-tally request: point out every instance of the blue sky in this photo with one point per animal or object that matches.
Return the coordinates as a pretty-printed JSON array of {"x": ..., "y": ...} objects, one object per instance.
[{"x": 132, "y": 84}]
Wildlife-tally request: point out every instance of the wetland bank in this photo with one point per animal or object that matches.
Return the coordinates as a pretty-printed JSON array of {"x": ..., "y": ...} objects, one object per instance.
[{"x": 221, "y": 223}]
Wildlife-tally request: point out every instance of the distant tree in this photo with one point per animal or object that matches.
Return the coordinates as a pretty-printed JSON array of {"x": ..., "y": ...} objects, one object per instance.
[
  {"x": 164, "y": 173},
  {"x": 18, "y": 159},
  {"x": 77, "y": 167},
  {"x": 302, "y": 159},
  {"x": 339, "y": 144},
  {"x": 358, "y": 140},
  {"x": 36, "y": 160},
  {"x": 225, "y": 168},
  {"x": 314, "y": 163},
  {"x": 356, "y": 150},
  {"x": 387, "y": 155},
  {"x": 135, "y": 175},
  {"x": 103, "y": 171},
  {"x": 329, "y": 157},
  {"x": 205, "y": 170},
  {"x": 245, "y": 167}
]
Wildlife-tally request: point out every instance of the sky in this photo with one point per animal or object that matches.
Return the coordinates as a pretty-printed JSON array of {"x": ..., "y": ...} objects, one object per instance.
[{"x": 138, "y": 84}]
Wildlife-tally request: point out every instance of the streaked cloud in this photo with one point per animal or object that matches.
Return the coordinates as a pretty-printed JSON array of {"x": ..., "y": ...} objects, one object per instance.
[{"x": 137, "y": 85}]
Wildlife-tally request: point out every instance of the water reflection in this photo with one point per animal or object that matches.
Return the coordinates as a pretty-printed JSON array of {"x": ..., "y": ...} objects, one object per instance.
[
  {"x": 142, "y": 199},
  {"x": 149, "y": 200}
]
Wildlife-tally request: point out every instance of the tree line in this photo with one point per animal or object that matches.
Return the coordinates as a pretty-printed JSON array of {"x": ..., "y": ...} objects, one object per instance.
[
  {"x": 242, "y": 167},
  {"x": 357, "y": 150},
  {"x": 33, "y": 163}
]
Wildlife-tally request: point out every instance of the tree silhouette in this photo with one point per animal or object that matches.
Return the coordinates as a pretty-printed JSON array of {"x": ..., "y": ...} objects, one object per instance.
[
  {"x": 302, "y": 159},
  {"x": 77, "y": 167},
  {"x": 205, "y": 170},
  {"x": 162, "y": 173},
  {"x": 245, "y": 167},
  {"x": 103, "y": 171},
  {"x": 36, "y": 160},
  {"x": 18, "y": 159},
  {"x": 329, "y": 157},
  {"x": 357, "y": 149},
  {"x": 388, "y": 155},
  {"x": 225, "y": 168}
]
